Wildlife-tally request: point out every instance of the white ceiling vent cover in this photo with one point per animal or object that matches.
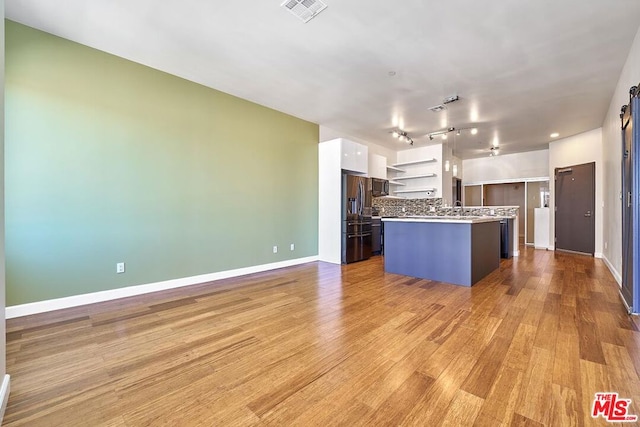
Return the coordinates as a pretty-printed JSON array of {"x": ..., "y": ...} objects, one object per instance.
[
  {"x": 304, "y": 9},
  {"x": 438, "y": 108}
]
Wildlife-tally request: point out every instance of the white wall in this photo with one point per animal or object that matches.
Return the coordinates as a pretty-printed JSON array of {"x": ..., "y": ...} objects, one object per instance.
[
  {"x": 576, "y": 150},
  {"x": 447, "y": 176},
  {"x": 329, "y": 202},
  {"x": 531, "y": 164},
  {"x": 612, "y": 154}
]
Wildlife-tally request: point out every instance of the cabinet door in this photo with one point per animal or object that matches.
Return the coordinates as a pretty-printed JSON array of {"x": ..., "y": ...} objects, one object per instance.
[
  {"x": 362, "y": 156},
  {"x": 377, "y": 166},
  {"x": 348, "y": 151},
  {"x": 354, "y": 156}
]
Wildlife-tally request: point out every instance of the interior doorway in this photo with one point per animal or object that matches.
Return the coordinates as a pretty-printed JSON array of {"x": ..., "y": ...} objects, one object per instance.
[
  {"x": 508, "y": 194},
  {"x": 456, "y": 192},
  {"x": 537, "y": 197},
  {"x": 575, "y": 199}
]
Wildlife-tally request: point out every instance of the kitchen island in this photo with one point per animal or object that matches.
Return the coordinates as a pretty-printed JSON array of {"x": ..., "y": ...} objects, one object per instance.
[{"x": 458, "y": 250}]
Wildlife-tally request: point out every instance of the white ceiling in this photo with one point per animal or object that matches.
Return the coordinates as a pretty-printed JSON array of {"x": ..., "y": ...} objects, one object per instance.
[{"x": 525, "y": 68}]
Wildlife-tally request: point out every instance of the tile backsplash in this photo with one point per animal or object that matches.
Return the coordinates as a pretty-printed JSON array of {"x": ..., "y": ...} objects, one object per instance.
[{"x": 389, "y": 206}]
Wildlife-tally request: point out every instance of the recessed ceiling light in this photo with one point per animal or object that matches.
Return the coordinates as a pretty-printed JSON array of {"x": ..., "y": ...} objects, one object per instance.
[
  {"x": 474, "y": 131},
  {"x": 554, "y": 135}
]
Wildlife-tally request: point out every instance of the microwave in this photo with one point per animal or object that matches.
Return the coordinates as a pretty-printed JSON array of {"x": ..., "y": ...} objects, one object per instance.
[{"x": 379, "y": 187}]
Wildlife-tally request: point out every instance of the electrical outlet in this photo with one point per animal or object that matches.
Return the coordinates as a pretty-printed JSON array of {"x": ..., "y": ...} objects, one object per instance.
[
  {"x": 275, "y": 249},
  {"x": 403, "y": 210},
  {"x": 432, "y": 209},
  {"x": 120, "y": 267},
  {"x": 293, "y": 247},
  {"x": 605, "y": 245}
]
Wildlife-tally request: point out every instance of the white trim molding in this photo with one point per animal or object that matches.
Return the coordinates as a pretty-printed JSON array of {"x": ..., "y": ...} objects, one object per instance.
[
  {"x": 94, "y": 297},
  {"x": 613, "y": 271},
  {"x": 5, "y": 389},
  {"x": 506, "y": 181}
]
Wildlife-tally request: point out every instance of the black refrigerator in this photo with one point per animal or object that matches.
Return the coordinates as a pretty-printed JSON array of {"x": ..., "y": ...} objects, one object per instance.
[{"x": 356, "y": 218}]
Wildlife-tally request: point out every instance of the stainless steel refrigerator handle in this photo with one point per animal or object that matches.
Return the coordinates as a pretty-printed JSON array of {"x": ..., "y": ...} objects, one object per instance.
[
  {"x": 361, "y": 188},
  {"x": 359, "y": 235}
]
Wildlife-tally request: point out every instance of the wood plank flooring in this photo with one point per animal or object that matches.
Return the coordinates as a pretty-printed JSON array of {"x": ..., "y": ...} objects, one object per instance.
[{"x": 320, "y": 344}]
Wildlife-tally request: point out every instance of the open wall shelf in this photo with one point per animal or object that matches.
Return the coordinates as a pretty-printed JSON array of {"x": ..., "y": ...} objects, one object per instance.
[
  {"x": 416, "y": 190},
  {"x": 424, "y": 175}
]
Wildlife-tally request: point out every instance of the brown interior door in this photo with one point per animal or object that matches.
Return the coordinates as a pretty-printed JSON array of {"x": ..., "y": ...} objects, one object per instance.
[{"x": 575, "y": 208}]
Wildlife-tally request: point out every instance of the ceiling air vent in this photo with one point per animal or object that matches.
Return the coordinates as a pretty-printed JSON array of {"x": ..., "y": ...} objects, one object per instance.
[
  {"x": 304, "y": 9},
  {"x": 438, "y": 108}
]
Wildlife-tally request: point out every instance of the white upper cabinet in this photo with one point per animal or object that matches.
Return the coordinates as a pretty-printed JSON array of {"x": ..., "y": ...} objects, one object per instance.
[
  {"x": 355, "y": 157},
  {"x": 377, "y": 166}
]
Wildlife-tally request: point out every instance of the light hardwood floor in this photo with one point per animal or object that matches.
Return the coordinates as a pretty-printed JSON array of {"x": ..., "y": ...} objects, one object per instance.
[{"x": 321, "y": 344}]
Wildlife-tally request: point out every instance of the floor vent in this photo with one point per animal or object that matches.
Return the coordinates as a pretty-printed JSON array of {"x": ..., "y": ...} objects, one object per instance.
[{"x": 306, "y": 10}]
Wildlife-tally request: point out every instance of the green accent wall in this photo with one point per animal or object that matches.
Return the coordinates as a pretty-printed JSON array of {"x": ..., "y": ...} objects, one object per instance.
[{"x": 108, "y": 160}]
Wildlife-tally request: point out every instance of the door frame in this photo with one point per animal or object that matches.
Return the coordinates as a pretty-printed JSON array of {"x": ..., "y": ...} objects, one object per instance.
[
  {"x": 481, "y": 184},
  {"x": 630, "y": 195},
  {"x": 555, "y": 208}
]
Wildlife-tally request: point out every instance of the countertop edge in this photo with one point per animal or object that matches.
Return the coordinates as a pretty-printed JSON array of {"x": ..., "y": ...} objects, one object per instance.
[{"x": 446, "y": 220}]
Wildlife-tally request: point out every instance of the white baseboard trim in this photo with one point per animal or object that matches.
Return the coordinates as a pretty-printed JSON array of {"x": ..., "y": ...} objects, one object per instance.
[
  {"x": 84, "y": 299},
  {"x": 5, "y": 389},
  {"x": 614, "y": 272},
  {"x": 516, "y": 253},
  {"x": 597, "y": 255}
]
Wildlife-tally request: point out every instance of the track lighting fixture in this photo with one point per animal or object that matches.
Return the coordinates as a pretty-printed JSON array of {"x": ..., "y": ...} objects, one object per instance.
[
  {"x": 402, "y": 136},
  {"x": 443, "y": 133}
]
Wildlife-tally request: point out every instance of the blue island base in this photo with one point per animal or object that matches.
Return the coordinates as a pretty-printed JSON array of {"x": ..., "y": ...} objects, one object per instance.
[{"x": 445, "y": 251}]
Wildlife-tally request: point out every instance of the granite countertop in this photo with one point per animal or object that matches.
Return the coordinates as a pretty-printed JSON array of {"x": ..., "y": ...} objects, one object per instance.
[{"x": 446, "y": 219}]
